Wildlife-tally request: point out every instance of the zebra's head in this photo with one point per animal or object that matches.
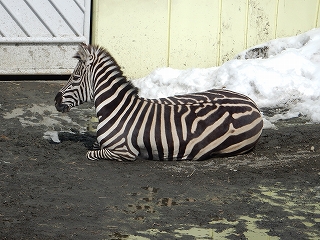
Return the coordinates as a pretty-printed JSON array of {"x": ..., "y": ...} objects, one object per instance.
[{"x": 79, "y": 86}]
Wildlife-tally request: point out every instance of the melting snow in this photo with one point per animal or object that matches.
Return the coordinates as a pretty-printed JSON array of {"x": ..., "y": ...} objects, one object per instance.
[{"x": 282, "y": 73}]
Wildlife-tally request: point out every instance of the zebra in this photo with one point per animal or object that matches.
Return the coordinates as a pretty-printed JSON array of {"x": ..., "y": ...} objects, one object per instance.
[{"x": 196, "y": 126}]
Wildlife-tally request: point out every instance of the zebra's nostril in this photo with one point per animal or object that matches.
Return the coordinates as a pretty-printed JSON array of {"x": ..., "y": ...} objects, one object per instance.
[
  {"x": 58, "y": 103},
  {"x": 58, "y": 98}
]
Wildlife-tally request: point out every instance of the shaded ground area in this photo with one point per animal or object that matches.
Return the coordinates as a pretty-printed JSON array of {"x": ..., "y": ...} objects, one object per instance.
[{"x": 50, "y": 191}]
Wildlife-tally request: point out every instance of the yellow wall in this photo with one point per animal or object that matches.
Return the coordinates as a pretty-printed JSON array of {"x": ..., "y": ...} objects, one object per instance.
[{"x": 146, "y": 34}]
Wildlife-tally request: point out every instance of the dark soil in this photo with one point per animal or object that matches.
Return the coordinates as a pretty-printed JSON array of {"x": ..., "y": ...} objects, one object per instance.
[{"x": 51, "y": 191}]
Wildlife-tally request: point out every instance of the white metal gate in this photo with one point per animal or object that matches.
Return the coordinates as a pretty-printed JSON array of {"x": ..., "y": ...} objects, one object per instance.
[{"x": 41, "y": 36}]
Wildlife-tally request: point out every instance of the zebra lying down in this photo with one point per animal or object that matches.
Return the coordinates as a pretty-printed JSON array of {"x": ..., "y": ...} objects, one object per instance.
[{"x": 184, "y": 127}]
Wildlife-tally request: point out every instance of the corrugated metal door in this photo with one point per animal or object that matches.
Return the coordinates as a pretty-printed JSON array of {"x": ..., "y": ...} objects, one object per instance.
[{"x": 41, "y": 36}]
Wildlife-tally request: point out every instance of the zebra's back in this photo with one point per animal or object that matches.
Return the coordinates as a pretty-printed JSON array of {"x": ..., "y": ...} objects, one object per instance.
[{"x": 185, "y": 127}]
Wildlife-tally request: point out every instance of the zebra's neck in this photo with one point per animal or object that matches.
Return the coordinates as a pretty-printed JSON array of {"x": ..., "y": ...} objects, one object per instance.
[{"x": 110, "y": 85}]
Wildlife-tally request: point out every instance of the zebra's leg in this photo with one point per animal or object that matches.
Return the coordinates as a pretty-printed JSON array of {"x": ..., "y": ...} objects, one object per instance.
[
  {"x": 107, "y": 155},
  {"x": 96, "y": 146}
]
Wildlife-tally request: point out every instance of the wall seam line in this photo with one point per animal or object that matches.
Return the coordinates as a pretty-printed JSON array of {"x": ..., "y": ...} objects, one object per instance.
[
  {"x": 169, "y": 33},
  {"x": 276, "y": 20},
  {"x": 247, "y": 26},
  {"x": 317, "y": 16},
  {"x": 218, "y": 59}
]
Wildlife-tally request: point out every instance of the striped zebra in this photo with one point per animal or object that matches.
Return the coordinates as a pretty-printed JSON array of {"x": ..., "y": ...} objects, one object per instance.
[{"x": 185, "y": 127}]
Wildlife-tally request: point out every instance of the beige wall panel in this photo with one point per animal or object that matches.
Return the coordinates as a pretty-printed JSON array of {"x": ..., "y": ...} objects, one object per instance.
[
  {"x": 194, "y": 29},
  {"x": 261, "y": 21},
  {"x": 144, "y": 35},
  {"x": 135, "y": 33},
  {"x": 233, "y": 28},
  {"x": 296, "y": 16}
]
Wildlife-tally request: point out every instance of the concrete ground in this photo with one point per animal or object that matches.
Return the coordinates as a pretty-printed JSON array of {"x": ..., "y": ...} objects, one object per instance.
[{"x": 49, "y": 190}]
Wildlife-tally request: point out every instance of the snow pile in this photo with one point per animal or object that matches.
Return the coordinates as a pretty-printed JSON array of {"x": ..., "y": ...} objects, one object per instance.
[{"x": 282, "y": 73}]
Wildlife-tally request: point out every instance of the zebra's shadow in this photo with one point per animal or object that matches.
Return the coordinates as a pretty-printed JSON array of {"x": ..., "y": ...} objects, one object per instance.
[{"x": 86, "y": 138}]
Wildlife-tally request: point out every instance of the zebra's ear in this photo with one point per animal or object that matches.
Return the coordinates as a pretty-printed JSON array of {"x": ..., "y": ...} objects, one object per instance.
[{"x": 83, "y": 53}]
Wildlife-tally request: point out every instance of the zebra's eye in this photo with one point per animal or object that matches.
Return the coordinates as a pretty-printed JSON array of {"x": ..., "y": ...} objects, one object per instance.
[
  {"x": 76, "y": 80},
  {"x": 76, "y": 77}
]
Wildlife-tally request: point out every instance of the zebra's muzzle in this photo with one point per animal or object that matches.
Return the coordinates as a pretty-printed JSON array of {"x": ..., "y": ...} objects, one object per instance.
[{"x": 59, "y": 105}]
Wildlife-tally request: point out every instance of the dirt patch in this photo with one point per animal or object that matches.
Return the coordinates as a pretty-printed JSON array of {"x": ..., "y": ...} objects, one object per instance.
[{"x": 50, "y": 191}]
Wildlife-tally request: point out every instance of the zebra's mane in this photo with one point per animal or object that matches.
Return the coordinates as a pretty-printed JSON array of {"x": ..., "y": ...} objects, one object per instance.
[{"x": 103, "y": 55}]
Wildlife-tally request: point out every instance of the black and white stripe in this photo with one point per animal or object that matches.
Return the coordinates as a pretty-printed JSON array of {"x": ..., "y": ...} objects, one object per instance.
[{"x": 185, "y": 127}]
